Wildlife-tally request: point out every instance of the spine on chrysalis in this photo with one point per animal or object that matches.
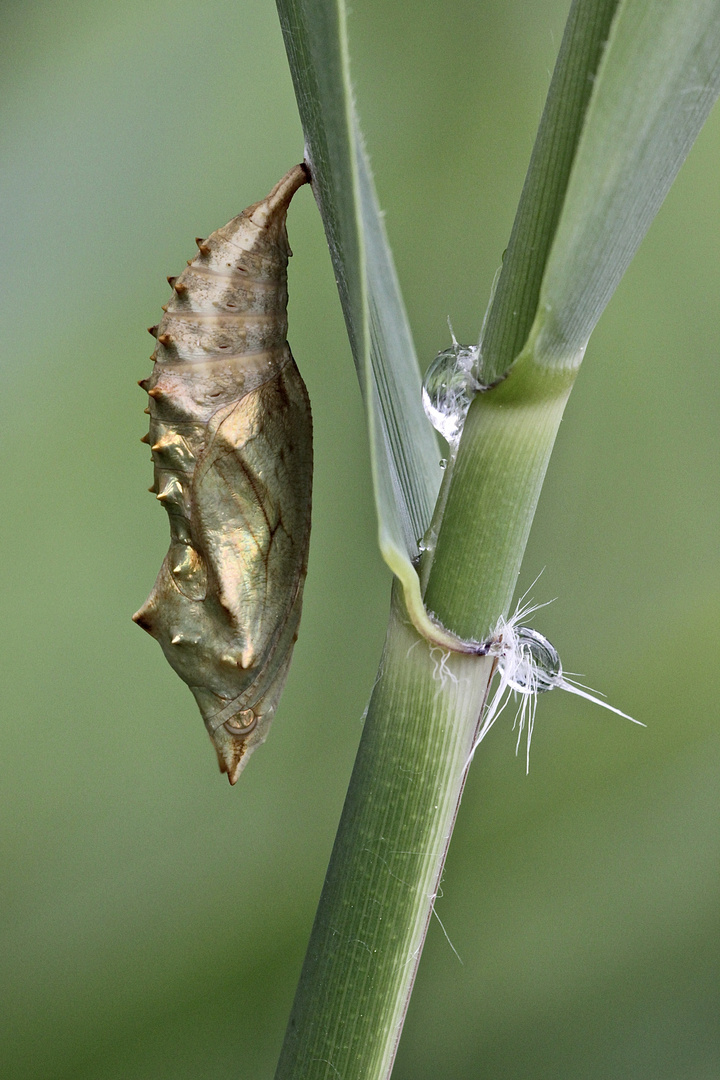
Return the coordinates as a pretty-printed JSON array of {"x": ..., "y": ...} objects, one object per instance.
[{"x": 231, "y": 441}]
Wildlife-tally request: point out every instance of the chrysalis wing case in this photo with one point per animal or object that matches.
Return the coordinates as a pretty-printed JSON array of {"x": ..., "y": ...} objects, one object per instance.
[{"x": 231, "y": 439}]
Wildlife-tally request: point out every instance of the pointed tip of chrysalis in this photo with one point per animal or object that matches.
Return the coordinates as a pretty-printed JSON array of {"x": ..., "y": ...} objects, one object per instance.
[
  {"x": 232, "y": 755},
  {"x": 234, "y": 742}
]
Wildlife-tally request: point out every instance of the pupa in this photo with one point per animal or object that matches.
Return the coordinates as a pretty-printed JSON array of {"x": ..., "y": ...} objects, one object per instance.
[{"x": 231, "y": 442}]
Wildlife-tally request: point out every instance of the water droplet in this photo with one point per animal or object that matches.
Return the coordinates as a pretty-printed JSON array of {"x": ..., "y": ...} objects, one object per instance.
[
  {"x": 443, "y": 463},
  {"x": 448, "y": 388},
  {"x": 535, "y": 665}
]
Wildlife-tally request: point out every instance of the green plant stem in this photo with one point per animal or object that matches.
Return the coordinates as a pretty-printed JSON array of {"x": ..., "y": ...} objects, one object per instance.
[
  {"x": 503, "y": 456},
  {"x": 408, "y": 777},
  {"x": 556, "y": 278},
  {"x": 421, "y": 723},
  {"x": 386, "y": 864}
]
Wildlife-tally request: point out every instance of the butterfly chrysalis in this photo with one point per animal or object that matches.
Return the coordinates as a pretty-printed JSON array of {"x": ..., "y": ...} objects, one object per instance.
[{"x": 231, "y": 440}]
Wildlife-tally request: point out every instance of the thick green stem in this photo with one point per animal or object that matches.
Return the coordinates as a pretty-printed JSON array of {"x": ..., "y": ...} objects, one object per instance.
[
  {"x": 421, "y": 723},
  {"x": 503, "y": 456},
  {"x": 387, "y": 861}
]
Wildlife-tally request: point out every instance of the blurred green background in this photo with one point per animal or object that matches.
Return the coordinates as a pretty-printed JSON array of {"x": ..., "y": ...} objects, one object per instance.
[{"x": 153, "y": 919}]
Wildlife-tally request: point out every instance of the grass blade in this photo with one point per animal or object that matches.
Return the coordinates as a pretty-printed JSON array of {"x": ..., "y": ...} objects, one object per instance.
[
  {"x": 515, "y": 303},
  {"x": 633, "y": 85},
  {"x": 404, "y": 452},
  {"x": 603, "y": 163},
  {"x": 658, "y": 80}
]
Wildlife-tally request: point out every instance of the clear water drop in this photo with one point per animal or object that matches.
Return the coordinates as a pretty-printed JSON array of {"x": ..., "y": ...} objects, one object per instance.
[
  {"x": 443, "y": 463},
  {"x": 535, "y": 664},
  {"x": 448, "y": 388}
]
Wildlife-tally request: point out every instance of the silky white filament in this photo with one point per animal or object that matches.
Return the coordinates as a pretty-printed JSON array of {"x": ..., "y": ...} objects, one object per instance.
[{"x": 528, "y": 665}]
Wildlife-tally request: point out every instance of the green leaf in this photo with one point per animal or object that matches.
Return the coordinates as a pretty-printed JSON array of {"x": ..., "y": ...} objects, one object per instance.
[
  {"x": 657, "y": 82},
  {"x": 403, "y": 448},
  {"x": 633, "y": 85},
  {"x": 515, "y": 302},
  {"x": 634, "y": 81}
]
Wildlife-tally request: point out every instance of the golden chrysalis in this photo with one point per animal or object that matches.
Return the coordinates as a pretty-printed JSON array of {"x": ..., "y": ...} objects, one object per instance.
[{"x": 231, "y": 439}]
